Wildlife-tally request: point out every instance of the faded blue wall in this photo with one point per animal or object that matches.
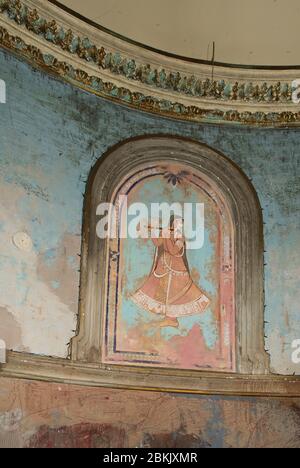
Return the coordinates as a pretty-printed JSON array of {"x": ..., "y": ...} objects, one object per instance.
[{"x": 51, "y": 134}]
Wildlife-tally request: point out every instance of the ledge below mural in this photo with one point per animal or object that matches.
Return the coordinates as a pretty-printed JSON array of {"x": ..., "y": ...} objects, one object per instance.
[{"x": 61, "y": 370}]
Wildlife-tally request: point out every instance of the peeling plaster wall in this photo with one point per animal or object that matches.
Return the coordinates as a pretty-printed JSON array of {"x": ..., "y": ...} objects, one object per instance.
[
  {"x": 51, "y": 134},
  {"x": 43, "y": 415}
]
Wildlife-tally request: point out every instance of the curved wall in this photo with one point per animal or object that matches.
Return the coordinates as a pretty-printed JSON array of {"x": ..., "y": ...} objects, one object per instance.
[
  {"x": 66, "y": 104},
  {"x": 51, "y": 135}
]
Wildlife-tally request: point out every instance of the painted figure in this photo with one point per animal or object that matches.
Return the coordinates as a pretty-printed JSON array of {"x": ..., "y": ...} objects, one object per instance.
[{"x": 170, "y": 290}]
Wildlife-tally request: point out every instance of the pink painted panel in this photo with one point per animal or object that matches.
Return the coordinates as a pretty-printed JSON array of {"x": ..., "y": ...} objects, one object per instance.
[{"x": 169, "y": 300}]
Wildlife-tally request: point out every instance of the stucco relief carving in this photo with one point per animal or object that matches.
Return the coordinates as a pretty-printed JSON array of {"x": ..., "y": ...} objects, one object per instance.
[
  {"x": 145, "y": 73},
  {"x": 112, "y": 68}
]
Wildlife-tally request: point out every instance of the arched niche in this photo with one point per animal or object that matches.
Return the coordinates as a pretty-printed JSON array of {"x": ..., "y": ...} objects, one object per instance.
[{"x": 112, "y": 324}]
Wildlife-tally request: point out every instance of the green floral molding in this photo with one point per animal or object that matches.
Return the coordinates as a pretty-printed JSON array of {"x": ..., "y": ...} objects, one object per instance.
[
  {"x": 159, "y": 78},
  {"x": 138, "y": 100}
]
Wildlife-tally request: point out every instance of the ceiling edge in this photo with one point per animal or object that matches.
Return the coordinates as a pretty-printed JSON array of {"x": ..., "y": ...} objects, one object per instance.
[{"x": 112, "y": 67}]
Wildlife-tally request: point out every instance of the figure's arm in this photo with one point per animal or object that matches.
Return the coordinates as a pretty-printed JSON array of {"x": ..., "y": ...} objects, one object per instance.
[
  {"x": 174, "y": 247},
  {"x": 157, "y": 241}
]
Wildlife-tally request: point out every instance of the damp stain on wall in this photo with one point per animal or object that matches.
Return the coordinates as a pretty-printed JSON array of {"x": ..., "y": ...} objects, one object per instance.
[{"x": 48, "y": 415}]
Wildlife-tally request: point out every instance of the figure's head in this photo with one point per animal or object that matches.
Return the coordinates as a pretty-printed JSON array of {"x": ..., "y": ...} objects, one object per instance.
[{"x": 177, "y": 225}]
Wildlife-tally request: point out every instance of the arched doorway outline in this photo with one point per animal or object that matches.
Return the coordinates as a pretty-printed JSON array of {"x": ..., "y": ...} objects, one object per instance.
[{"x": 242, "y": 202}]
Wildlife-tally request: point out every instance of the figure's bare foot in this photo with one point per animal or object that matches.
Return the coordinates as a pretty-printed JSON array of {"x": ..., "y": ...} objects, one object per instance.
[{"x": 169, "y": 322}]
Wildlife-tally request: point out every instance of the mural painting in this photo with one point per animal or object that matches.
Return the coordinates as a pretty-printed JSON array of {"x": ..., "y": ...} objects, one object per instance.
[{"x": 170, "y": 297}]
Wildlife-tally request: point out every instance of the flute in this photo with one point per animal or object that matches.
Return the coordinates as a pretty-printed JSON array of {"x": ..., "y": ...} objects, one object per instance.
[{"x": 150, "y": 228}]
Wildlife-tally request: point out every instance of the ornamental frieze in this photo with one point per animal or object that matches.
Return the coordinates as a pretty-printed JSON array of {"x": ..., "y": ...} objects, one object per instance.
[{"x": 143, "y": 85}]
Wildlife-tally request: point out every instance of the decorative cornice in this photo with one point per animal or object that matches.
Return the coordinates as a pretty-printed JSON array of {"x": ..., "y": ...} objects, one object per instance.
[
  {"x": 127, "y": 67},
  {"x": 56, "y": 41}
]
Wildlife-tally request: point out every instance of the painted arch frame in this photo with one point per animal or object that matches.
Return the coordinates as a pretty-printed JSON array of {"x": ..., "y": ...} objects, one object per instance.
[{"x": 243, "y": 204}]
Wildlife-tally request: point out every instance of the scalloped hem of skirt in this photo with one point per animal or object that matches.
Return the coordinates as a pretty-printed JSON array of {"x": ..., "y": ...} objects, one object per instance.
[{"x": 180, "y": 310}]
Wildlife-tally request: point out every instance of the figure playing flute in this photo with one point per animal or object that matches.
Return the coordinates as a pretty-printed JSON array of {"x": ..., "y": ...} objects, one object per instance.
[{"x": 170, "y": 290}]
